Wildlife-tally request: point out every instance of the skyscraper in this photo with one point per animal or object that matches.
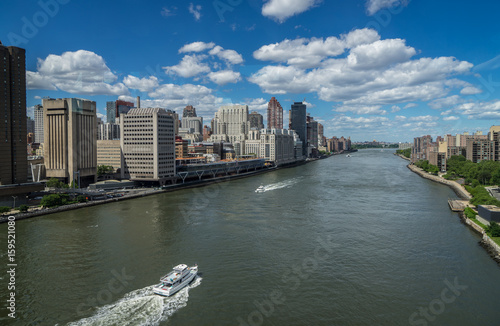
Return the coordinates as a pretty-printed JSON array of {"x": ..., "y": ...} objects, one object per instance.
[
  {"x": 13, "y": 157},
  {"x": 231, "y": 123},
  {"x": 115, "y": 108},
  {"x": 70, "y": 147},
  {"x": 148, "y": 145},
  {"x": 298, "y": 123},
  {"x": 256, "y": 120},
  {"x": 189, "y": 111},
  {"x": 38, "y": 124},
  {"x": 274, "y": 114}
]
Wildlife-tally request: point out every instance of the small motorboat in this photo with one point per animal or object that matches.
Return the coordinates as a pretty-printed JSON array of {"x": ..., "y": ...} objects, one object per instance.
[
  {"x": 260, "y": 189},
  {"x": 177, "y": 279}
]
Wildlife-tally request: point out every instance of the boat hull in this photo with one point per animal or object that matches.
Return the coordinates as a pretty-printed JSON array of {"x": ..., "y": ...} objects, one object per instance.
[{"x": 167, "y": 292}]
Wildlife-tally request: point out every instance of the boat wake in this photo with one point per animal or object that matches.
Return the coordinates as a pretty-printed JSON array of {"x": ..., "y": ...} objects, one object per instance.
[
  {"x": 140, "y": 307},
  {"x": 278, "y": 185}
]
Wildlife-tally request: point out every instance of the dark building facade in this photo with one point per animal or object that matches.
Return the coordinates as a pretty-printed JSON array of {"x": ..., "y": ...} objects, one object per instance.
[
  {"x": 298, "y": 123},
  {"x": 13, "y": 158},
  {"x": 256, "y": 120}
]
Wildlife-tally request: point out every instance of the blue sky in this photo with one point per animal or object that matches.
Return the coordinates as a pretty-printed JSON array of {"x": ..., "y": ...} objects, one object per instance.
[{"x": 388, "y": 70}]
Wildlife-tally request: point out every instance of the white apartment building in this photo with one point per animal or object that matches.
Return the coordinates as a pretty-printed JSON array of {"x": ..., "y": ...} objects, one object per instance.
[
  {"x": 231, "y": 124},
  {"x": 38, "y": 124},
  {"x": 272, "y": 144},
  {"x": 147, "y": 141}
]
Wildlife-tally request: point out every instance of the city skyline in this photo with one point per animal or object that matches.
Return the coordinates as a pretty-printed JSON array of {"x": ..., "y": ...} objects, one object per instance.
[{"x": 367, "y": 69}]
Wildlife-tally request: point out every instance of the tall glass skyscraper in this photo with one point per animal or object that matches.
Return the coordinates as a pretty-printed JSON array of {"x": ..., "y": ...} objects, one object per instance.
[{"x": 298, "y": 123}]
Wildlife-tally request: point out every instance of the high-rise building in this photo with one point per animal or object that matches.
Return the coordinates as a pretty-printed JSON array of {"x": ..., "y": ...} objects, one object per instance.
[
  {"x": 38, "y": 124},
  {"x": 110, "y": 112},
  {"x": 195, "y": 123},
  {"x": 148, "y": 145},
  {"x": 256, "y": 120},
  {"x": 298, "y": 123},
  {"x": 312, "y": 131},
  {"x": 109, "y": 153},
  {"x": 231, "y": 123},
  {"x": 108, "y": 131},
  {"x": 30, "y": 126},
  {"x": 275, "y": 145},
  {"x": 274, "y": 114},
  {"x": 13, "y": 157},
  {"x": 189, "y": 112},
  {"x": 70, "y": 147},
  {"x": 115, "y": 108}
]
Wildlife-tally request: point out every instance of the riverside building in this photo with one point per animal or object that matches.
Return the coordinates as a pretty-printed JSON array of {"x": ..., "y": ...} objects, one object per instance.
[
  {"x": 147, "y": 142},
  {"x": 298, "y": 123},
  {"x": 231, "y": 124},
  {"x": 70, "y": 133},
  {"x": 13, "y": 158},
  {"x": 276, "y": 145}
]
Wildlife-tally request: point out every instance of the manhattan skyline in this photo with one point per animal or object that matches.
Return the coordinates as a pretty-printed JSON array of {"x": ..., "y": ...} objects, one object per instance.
[{"x": 386, "y": 70}]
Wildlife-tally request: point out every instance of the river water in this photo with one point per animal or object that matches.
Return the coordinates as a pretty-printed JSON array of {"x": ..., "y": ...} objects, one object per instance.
[{"x": 340, "y": 241}]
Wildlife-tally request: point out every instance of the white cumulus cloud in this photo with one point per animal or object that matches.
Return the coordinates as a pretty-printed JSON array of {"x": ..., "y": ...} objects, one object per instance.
[
  {"x": 142, "y": 84},
  {"x": 281, "y": 10},
  {"x": 196, "y": 47},
  {"x": 224, "y": 77},
  {"x": 190, "y": 66},
  {"x": 80, "y": 72}
]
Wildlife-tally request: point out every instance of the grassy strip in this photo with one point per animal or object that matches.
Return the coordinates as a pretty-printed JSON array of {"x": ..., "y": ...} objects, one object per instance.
[{"x": 478, "y": 223}]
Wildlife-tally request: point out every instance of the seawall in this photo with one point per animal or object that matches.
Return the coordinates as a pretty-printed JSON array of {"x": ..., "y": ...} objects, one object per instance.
[
  {"x": 458, "y": 188},
  {"x": 486, "y": 242}
]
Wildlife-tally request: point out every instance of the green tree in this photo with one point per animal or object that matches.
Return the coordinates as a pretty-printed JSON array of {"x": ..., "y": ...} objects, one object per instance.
[
  {"x": 81, "y": 199},
  {"x": 53, "y": 183},
  {"x": 54, "y": 200},
  {"x": 4, "y": 209},
  {"x": 23, "y": 208},
  {"x": 493, "y": 229},
  {"x": 103, "y": 169}
]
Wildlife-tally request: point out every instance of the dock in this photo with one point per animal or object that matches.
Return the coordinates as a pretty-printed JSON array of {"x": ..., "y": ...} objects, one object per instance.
[{"x": 457, "y": 205}]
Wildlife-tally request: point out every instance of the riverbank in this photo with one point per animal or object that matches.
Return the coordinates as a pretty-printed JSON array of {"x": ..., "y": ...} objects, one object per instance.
[
  {"x": 458, "y": 188},
  {"x": 486, "y": 242}
]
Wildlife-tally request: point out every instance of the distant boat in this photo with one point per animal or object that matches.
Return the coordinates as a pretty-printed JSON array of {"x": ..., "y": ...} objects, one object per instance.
[
  {"x": 181, "y": 276},
  {"x": 260, "y": 189}
]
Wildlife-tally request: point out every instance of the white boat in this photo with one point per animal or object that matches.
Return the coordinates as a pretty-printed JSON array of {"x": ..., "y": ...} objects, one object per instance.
[
  {"x": 260, "y": 189},
  {"x": 177, "y": 279},
  {"x": 348, "y": 155}
]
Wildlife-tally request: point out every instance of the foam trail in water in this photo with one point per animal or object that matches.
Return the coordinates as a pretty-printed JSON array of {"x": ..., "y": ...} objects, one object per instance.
[
  {"x": 139, "y": 307},
  {"x": 279, "y": 185}
]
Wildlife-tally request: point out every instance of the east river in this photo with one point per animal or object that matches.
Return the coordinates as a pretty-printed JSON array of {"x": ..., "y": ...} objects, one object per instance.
[{"x": 340, "y": 241}]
